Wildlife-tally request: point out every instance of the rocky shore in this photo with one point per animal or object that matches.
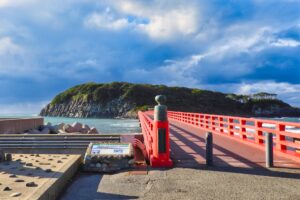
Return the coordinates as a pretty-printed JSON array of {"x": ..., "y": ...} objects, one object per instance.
[
  {"x": 62, "y": 128},
  {"x": 82, "y": 109}
]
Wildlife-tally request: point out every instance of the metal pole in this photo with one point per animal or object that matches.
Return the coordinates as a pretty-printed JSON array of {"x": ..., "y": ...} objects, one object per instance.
[
  {"x": 269, "y": 150},
  {"x": 209, "y": 149}
]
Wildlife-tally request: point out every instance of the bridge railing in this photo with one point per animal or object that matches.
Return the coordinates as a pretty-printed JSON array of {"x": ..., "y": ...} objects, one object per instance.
[
  {"x": 156, "y": 139},
  {"x": 250, "y": 130},
  {"x": 147, "y": 129}
]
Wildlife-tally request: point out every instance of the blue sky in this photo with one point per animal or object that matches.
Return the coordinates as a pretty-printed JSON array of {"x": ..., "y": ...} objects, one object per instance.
[{"x": 223, "y": 45}]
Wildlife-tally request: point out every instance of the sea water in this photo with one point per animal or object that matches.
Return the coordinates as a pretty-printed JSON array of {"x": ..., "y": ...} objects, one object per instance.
[{"x": 111, "y": 126}]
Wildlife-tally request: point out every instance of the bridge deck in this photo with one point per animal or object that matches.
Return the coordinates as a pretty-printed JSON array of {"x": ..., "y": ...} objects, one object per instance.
[{"x": 188, "y": 150}]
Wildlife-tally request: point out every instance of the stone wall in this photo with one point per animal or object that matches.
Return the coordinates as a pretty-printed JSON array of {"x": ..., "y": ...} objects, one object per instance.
[{"x": 14, "y": 126}]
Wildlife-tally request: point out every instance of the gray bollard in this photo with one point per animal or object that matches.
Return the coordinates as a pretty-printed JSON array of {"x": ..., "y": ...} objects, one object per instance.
[
  {"x": 209, "y": 149},
  {"x": 269, "y": 150}
]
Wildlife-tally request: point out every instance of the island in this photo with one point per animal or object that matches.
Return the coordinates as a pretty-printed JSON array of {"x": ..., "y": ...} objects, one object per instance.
[{"x": 124, "y": 100}]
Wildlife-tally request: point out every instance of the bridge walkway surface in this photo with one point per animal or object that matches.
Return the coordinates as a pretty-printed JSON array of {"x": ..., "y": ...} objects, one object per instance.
[
  {"x": 188, "y": 150},
  {"x": 238, "y": 173}
]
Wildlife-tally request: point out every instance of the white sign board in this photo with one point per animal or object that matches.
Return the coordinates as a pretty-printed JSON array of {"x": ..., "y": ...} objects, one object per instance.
[{"x": 111, "y": 149}]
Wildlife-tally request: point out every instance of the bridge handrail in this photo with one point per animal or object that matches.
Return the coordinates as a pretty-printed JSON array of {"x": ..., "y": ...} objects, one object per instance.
[
  {"x": 147, "y": 129},
  {"x": 249, "y": 130}
]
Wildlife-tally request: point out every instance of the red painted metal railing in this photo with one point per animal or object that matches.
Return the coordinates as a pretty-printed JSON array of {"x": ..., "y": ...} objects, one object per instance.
[
  {"x": 147, "y": 129},
  {"x": 156, "y": 140},
  {"x": 248, "y": 130}
]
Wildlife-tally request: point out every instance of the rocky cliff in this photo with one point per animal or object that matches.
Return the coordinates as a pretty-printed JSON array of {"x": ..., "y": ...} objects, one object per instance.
[
  {"x": 120, "y": 99},
  {"x": 89, "y": 109}
]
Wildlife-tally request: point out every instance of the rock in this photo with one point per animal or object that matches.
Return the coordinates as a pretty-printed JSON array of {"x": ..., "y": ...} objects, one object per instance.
[
  {"x": 68, "y": 128},
  {"x": 19, "y": 180},
  {"x": 16, "y": 194},
  {"x": 31, "y": 184},
  {"x": 92, "y": 165},
  {"x": 54, "y": 129},
  {"x": 98, "y": 165},
  {"x": 60, "y": 131},
  {"x": 60, "y": 126},
  {"x": 93, "y": 130},
  {"x": 46, "y": 130},
  {"x": 34, "y": 131},
  {"x": 86, "y": 126},
  {"x": 85, "y": 129},
  {"x": 28, "y": 164},
  {"x": 48, "y": 170},
  {"x": 131, "y": 162},
  {"x": 77, "y": 127},
  {"x": 104, "y": 166},
  {"x": 7, "y": 188},
  {"x": 13, "y": 176}
]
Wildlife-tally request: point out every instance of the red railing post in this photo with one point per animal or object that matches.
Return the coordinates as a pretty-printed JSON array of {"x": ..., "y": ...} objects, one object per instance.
[
  {"x": 221, "y": 125},
  {"x": 230, "y": 126},
  {"x": 161, "y": 149},
  {"x": 243, "y": 129},
  {"x": 279, "y": 137},
  {"x": 258, "y": 132},
  {"x": 213, "y": 123}
]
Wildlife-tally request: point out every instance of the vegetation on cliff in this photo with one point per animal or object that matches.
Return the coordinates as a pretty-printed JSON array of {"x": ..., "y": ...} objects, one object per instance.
[{"x": 141, "y": 97}]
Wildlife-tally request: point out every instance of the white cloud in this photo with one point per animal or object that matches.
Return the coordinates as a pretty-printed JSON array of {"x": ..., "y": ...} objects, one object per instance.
[
  {"x": 288, "y": 92},
  {"x": 15, "y": 60},
  {"x": 268, "y": 86},
  {"x": 8, "y": 47},
  {"x": 88, "y": 62},
  {"x": 11, "y": 3},
  {"x": 163, "y": 21},
  {"x": 182, "y": 21},
  {"x": 106, "y": 21},
  {"x": 286, "y": 43}
]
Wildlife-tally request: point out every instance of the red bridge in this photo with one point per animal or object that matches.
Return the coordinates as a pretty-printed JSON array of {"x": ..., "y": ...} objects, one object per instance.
[{"x": 237, "y": 141}]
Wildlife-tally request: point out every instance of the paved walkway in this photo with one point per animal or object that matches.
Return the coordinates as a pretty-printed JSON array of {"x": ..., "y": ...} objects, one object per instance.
[
  {"x": 237, "y": 174},
  {"x": 188, "y": 150},
  {"x": 207, "y": 183}
]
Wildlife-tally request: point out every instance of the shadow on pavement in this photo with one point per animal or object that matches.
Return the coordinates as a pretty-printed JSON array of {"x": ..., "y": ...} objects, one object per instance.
[
  {"x": 85, "y": 186},
  {"x": 201, "y": 151},
  {"x": 185, "y": 159},
  {"x": 257, "y": 171}
]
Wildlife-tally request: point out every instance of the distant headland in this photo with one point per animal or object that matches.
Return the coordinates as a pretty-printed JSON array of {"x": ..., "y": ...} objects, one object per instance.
[{"x": 123, "y": 100}]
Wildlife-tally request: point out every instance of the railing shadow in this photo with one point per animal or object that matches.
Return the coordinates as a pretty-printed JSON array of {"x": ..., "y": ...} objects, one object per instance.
[
  {"x": 222, "y": 166},
  {"x": 183, "y": 154},
  {"x": 202, "y": 150},
  {"x": 255, "y": 171}
]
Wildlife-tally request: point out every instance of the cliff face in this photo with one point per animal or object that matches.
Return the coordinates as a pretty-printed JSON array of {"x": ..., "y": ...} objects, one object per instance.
[
  {"x": 82, "y": 109},
  {"x": 117, "y": 99}
]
